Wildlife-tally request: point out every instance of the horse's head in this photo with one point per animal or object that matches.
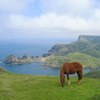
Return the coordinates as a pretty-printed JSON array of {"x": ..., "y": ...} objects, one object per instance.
[
  {"x": 62, "y": 77},
  {"x": 62, "y": 80}
]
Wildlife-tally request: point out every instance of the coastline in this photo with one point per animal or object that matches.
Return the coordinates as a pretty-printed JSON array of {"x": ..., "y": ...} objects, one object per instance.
[
  {"x": 20, "y": 63},
  {"x": 25, "y": 61},
  {"x": 36, "y": 68},
  {"x": 55, "y": 66},
  {"x": 92, "y": 68},
  {"x": 39, "y": 59}
]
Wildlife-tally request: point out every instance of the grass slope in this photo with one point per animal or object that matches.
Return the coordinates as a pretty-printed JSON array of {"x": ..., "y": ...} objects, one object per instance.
[
  {"x": 86, "y": 60},
  {"x": 93, "y": 74},
  {"x": 30, "y": 87},
  {"x": 91, "y": 52},
  {"x": 3, "y": 70}
]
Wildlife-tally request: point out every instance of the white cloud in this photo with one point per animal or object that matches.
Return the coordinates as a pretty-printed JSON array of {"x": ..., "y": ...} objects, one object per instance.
[
  {"x": 61, "y": 19},
  {"x": 13, "y": 5},
  {"x": 73, "y": 7},
  {"x": 52, "y": 25},
  {"x": 96, "y": 15}
]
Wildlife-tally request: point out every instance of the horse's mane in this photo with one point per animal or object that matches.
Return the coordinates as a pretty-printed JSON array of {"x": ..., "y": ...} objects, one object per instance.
[{"x": 62, "y": 71}]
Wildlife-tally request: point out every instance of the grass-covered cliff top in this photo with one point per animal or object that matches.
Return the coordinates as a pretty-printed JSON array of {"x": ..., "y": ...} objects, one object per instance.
[
  {"x": 84, "y": 43},
  {"x": 31, "y": 87}
]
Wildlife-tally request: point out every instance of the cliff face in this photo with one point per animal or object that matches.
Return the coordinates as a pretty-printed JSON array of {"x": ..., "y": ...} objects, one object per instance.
[
  {"x": 84, "y": 43},
  {"x": 91, "y": 39}
]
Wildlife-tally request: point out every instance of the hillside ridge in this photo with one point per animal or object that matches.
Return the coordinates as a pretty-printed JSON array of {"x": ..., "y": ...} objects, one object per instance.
[{"x": 86, "y": 44}]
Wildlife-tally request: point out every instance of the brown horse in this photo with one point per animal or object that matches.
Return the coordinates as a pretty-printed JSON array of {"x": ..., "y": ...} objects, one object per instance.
[{"x": 70, "y": 68}]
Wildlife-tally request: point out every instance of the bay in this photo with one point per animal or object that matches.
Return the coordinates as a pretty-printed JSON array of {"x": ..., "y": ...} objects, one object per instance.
[
  {"x": 33, "y": 49},
  {"x": 35, "y": 68}
]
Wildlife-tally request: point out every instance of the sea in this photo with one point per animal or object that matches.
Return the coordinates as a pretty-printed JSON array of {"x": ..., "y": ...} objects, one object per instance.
[{"x": 31, "y": 49}]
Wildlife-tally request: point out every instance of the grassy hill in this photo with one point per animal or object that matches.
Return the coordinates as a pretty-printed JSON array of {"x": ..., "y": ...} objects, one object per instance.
[
  {"x": 91, "y": 52},
  {"x": 86, "y": 60},
  {"x": 87, "y": 48},
  {"x": 30, "y": 87}
]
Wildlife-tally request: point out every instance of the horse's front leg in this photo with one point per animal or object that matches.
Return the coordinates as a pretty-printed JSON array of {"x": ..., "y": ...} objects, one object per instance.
[{"x": 68, "y": 79}]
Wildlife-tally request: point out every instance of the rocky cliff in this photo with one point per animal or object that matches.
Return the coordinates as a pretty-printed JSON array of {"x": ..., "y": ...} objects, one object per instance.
[
  {"x": 84, "y": 43},
  {"x": 85, "y": 50}
]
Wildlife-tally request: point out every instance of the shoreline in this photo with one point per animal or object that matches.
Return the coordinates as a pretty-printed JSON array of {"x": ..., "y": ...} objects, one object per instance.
[
  {"x": 19, "y": 63},
  {"x": 25, "y": 62},
  {"x": 91, "y": 68},
  {"x": 39, "y": 59},
  {"x": 84, "y": 67}
]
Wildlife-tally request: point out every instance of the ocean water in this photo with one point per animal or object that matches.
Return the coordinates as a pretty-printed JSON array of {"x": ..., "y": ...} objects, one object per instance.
[
  {"x": 33, "y": 49},
  {"x": 30, "y": 47}
]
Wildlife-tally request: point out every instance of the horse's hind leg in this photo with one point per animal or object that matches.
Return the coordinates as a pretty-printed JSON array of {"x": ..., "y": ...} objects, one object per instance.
[
  {"x": 68, "y": 79},
  {"x": 79, "y": 73}
]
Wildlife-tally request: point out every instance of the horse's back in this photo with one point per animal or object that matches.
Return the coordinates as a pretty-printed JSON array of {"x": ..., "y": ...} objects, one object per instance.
[
  {"x": 78, "y": 66},
  {"x": 72, "y": 67}
]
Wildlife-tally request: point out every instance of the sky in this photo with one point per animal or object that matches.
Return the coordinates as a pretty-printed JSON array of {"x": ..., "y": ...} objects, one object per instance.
[{"x": 48, "y": 19}]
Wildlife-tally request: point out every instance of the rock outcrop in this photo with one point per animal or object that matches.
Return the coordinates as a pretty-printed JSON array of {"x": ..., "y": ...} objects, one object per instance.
[{"x": 11, "y": 59}]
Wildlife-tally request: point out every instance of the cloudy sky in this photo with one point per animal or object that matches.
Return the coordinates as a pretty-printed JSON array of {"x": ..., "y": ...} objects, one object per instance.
[{"x": 48, "y": 19}]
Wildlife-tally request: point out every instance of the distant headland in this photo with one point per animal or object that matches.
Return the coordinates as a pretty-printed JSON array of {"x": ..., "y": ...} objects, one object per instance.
[
  {"x": 85, "y": 50},
  {"x": 12, "y": 59}
]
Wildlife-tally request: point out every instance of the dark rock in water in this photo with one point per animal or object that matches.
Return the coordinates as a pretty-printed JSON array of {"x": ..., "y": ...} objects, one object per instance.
[
  {"x": 36, "y": 57},
  {"x": 25, "y": 56},
  {"x": 46, "y": 55},
  {"x": 32, "y": 57}
]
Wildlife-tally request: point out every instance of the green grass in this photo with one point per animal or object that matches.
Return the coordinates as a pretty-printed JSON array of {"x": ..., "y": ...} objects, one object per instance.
[
  {"x": 85, "y": 60},
  {"x": 31, "y": 87},
  {"x": 3, "y": 70},
  {"x": 28, "y": 60}
]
